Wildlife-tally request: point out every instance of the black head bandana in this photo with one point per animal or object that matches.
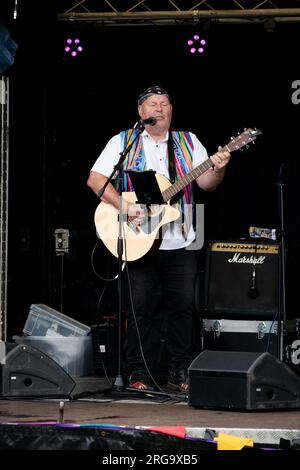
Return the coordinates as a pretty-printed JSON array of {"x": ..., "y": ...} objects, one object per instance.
[{"x": 153, "y": 90}]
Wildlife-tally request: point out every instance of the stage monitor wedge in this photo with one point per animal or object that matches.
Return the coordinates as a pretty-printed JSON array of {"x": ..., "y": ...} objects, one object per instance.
[
  {"x": 28, "y": 372},
  {"x": 242, "y": 380}
]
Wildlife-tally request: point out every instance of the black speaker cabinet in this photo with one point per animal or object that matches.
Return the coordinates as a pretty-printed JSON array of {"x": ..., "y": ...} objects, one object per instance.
[
  {"x": 28, "y": 372},
  {"x": 104, "y": 339},
  {"x": 242, "y": 280},
  {"x": 242, "y": 380}
]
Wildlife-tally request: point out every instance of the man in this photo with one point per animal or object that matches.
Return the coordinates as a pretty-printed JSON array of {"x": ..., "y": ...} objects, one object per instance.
[{"x": 169, "y": 273}]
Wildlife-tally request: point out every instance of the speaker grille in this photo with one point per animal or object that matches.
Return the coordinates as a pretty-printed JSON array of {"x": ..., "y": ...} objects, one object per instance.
[
  {"x": 242, "y": 380},
  {"x": 242, "y": 280},
  {"x": 28, "y": 372}
]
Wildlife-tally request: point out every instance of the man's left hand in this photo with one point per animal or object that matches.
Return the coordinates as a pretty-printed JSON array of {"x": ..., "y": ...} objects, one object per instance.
[{"x": 220, "y": 159}]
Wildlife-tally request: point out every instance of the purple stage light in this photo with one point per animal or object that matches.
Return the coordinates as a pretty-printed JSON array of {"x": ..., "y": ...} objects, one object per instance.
[
  {"x": 73, "y": 46},
  {"x": 196, "y": 44}
]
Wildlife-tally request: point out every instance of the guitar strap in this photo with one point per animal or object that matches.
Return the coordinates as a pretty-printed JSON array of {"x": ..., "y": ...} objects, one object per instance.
[{"x": 172, "y": 171}]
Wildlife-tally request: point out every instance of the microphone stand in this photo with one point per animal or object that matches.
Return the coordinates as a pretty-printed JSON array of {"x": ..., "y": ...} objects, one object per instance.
[
  {"x": 118, "y": 384},
  {"x": 282, "y": 270}
]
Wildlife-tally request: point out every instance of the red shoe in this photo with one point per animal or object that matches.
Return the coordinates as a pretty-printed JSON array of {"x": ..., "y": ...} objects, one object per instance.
[
  {"x": 178, "y": 381},
  {"x": 139, "y": 381}
]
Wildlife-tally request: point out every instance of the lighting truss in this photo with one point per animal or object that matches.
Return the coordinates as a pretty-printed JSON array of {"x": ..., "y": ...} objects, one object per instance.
[{"x": 140, "y": 12}]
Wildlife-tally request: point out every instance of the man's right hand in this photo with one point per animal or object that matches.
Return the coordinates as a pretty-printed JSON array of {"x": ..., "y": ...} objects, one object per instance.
[{"x": 136, "y": 213}]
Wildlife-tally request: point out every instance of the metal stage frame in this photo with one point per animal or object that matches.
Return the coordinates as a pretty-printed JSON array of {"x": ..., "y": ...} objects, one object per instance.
[{"x": 141, "y": 12}]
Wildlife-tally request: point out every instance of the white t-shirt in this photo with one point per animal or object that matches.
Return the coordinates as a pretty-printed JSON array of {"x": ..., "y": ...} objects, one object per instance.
[{"x": 156, "y": 155}]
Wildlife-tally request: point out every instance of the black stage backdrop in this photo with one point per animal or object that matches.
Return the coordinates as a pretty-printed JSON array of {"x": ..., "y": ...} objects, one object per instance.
[{"x": 63, "y": 110}]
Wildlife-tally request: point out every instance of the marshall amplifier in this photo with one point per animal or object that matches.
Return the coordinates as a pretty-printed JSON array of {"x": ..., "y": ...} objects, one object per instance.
[{"x": 242, "y": 280}]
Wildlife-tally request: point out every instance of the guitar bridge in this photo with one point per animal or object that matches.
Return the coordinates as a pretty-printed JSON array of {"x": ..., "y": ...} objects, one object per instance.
[{"x": 133, "y": 226}]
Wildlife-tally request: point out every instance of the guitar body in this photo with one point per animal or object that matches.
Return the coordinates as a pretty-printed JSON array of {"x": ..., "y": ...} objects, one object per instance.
[{"x": 138, "y": 240}]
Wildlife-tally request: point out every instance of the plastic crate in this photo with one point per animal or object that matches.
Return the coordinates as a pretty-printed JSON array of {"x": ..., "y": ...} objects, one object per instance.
[{"x": 45, "y": 321}]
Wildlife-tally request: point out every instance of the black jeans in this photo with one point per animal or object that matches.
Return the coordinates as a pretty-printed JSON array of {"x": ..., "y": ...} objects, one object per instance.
[{"x": 167, "y": 276}]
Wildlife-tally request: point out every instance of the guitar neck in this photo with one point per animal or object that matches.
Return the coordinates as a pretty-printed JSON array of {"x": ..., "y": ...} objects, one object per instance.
[
  {"x": 187, "y": 179},
  {"x": 236, "y": 143}
]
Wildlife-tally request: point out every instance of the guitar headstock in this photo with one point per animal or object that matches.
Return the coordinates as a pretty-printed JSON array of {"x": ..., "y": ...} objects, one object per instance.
[{"x": 242, "y": 140}]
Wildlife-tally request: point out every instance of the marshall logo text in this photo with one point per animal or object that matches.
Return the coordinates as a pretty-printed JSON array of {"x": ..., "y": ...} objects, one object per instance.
[{"x": 237, "y": 258}]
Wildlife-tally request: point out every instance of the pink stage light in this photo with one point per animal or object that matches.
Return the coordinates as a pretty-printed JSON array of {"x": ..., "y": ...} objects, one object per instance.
[
  {"x": 196, "y": 44},
  {"x": 73, "y": 46}
]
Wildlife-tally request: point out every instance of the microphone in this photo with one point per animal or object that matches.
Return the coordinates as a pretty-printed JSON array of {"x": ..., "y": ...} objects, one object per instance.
[
  {"x": 150, "y": 121},
  {"x": 253, "y": 292}
]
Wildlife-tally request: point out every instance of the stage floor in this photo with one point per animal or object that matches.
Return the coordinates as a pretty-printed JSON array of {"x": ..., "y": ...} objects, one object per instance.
[
  {"x": 133, "y": 409},
  {"x": 143, "y": 413}
]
